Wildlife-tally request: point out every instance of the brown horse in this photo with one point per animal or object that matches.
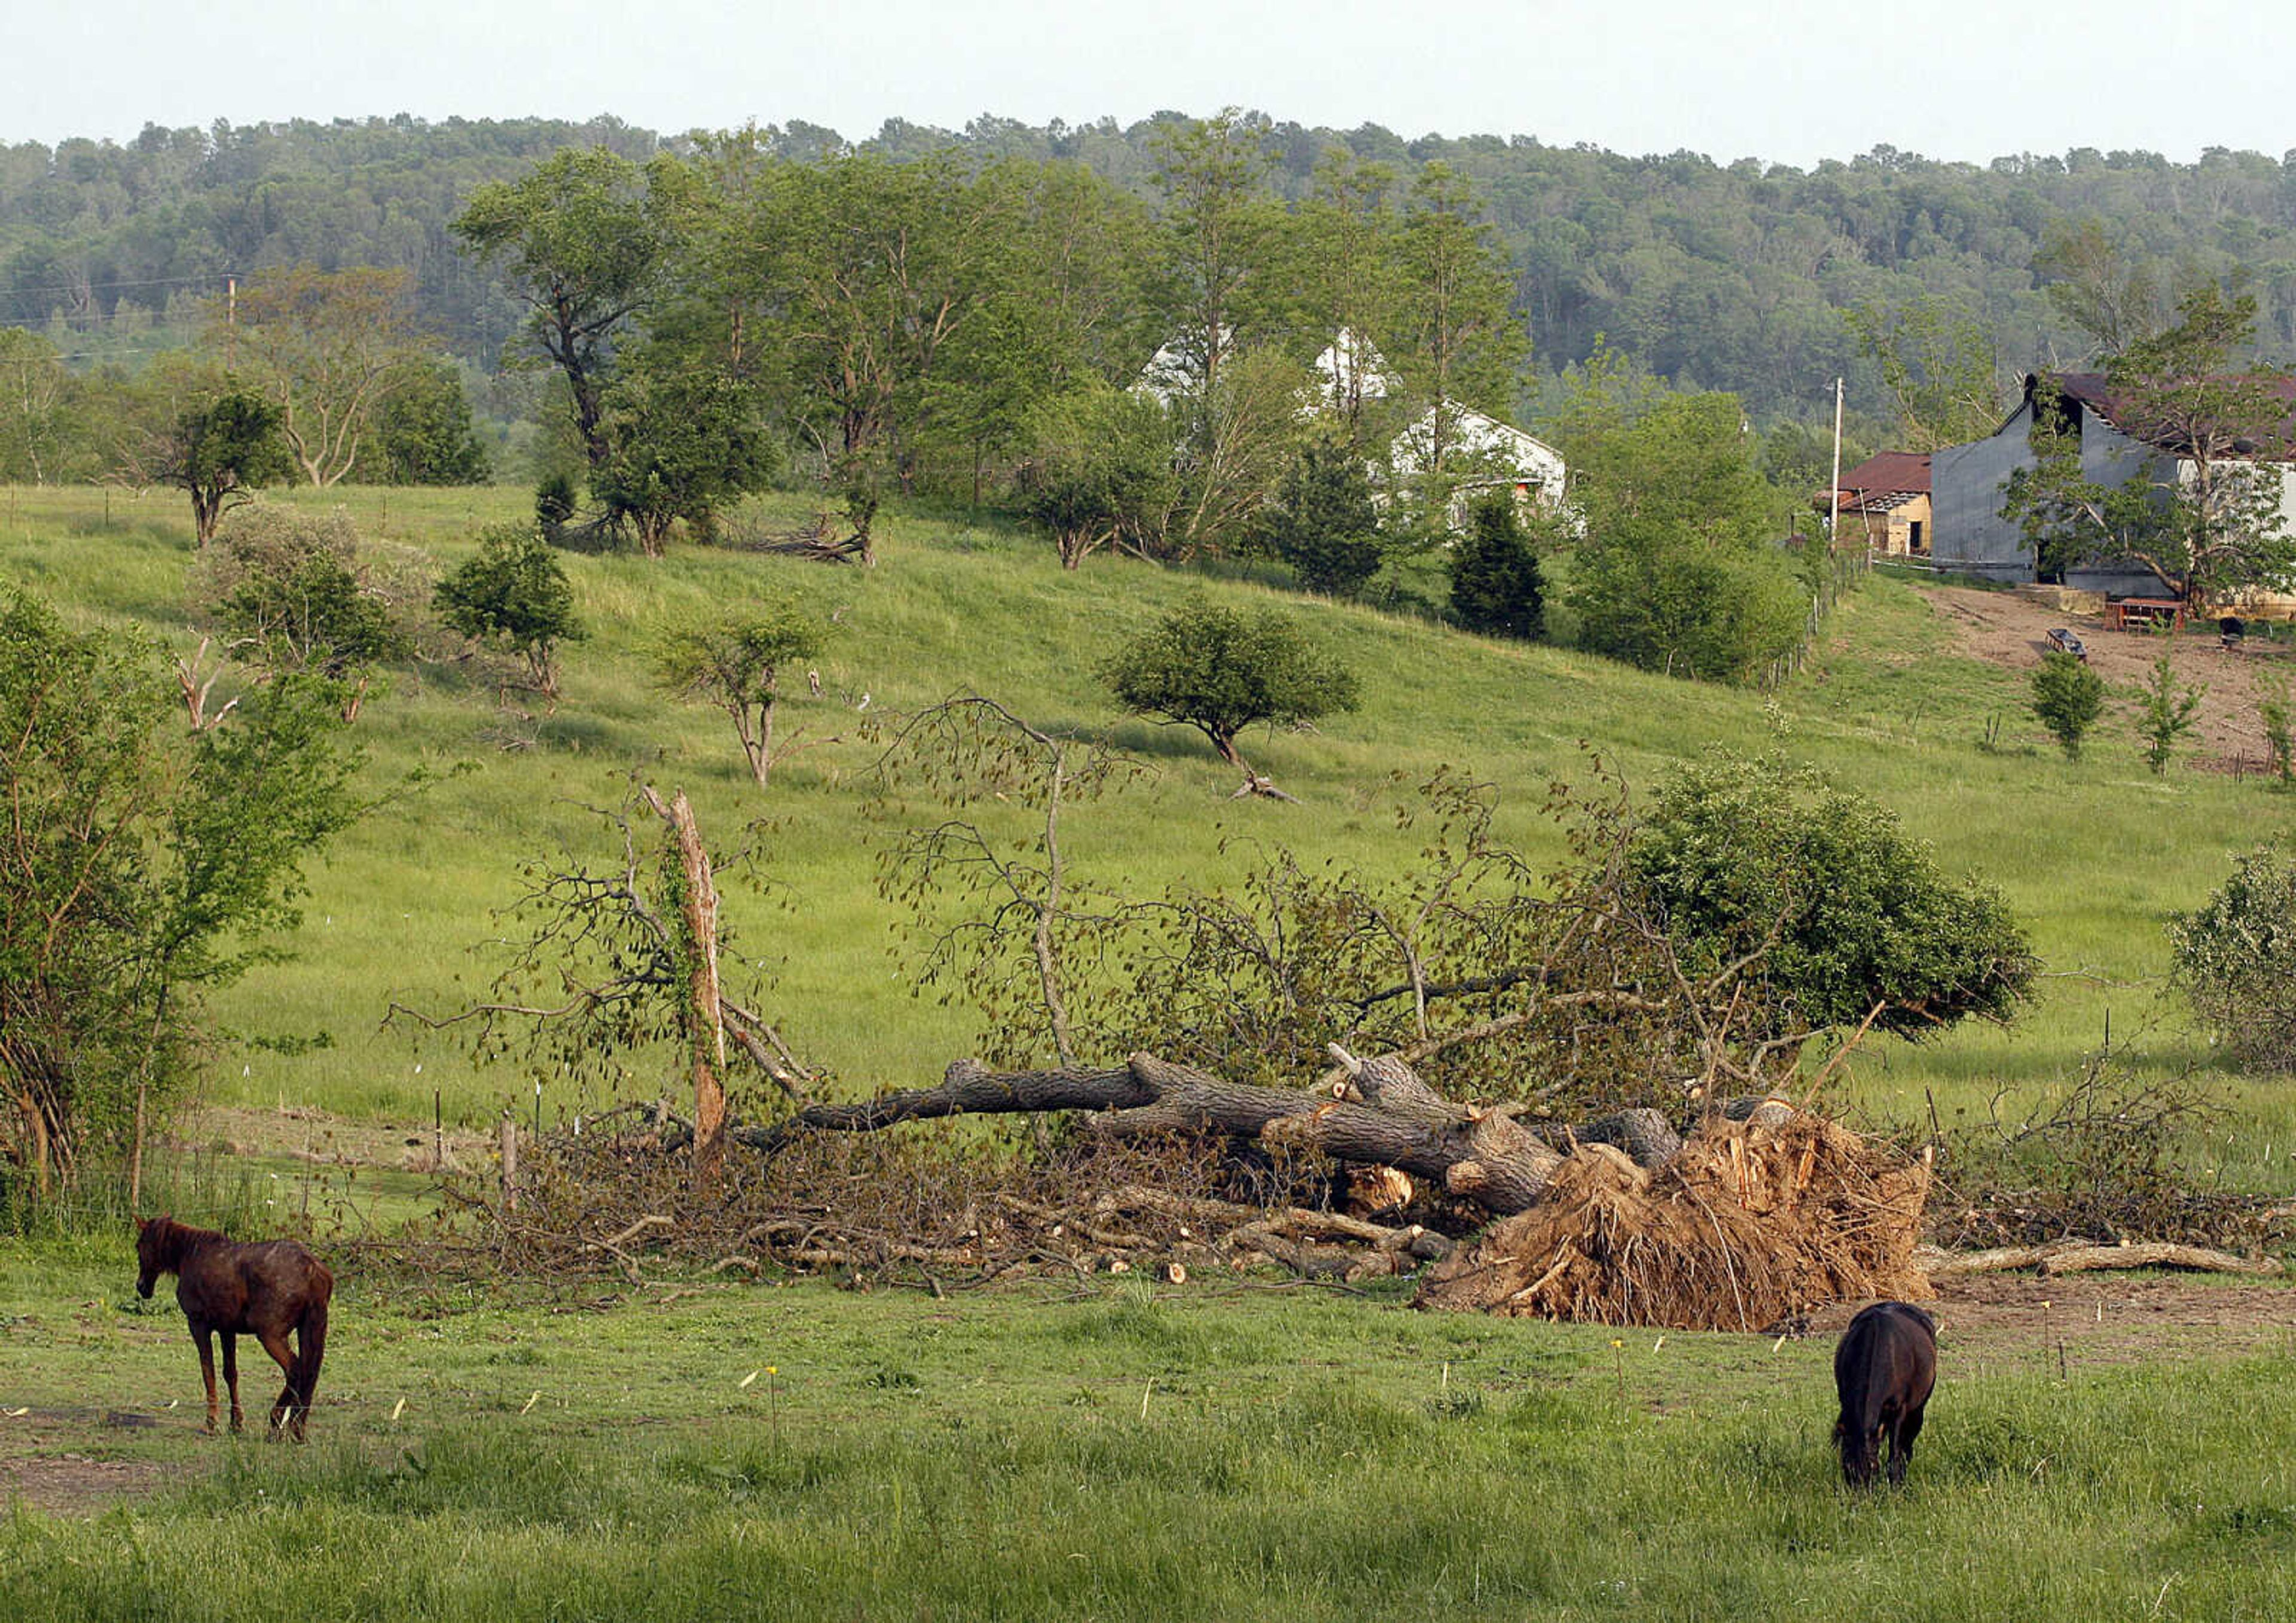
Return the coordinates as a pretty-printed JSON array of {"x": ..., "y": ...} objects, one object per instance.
[
  {"x": 267, "y": 1290},
  {"x": 1883, "y": 1371}
]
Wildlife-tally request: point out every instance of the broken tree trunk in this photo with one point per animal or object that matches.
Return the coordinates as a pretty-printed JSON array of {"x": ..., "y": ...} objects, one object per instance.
[
  {"x": 705, "y": 1019},
  {"x": 1485, "y": 1156}
]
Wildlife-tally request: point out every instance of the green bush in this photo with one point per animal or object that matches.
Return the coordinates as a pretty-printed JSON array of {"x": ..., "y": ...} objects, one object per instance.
[
  {"x": 2068, "y": 697},
  {"x": 2236, "y": 960},
  {"x": 1495, "y": 586},
  {"x": 1737, "y": 855}
]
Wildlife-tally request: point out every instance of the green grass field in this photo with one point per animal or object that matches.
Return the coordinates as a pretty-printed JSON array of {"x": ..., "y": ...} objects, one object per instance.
[
  {"x": 2093, "y": 854},
  {"x": 1212, "y": 1452},
  {"x": 1217, "y": 1453}
]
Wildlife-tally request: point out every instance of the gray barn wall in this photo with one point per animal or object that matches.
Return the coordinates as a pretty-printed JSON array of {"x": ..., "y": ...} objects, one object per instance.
[{"x": 1972, "y": 535}]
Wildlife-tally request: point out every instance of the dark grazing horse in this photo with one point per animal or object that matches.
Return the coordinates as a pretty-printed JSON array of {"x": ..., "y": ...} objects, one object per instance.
[
  {"x": 268, "y": 1290},
  {"x": 1884, "y": 1370}
]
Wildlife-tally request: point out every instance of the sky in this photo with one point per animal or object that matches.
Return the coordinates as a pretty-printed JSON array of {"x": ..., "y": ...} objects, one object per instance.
[{"x": 1791, "y": 82}]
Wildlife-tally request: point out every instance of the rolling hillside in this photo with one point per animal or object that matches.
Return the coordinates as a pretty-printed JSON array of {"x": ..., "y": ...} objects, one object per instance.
[{"x": 2092, "y": 854}]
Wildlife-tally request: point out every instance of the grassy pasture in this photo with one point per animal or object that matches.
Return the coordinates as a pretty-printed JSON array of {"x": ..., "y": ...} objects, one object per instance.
[
  {"x": 1211, "y": 1453},
  {"x": 2093, "y": 854},
  {"x": 1206, "y": 1452}
]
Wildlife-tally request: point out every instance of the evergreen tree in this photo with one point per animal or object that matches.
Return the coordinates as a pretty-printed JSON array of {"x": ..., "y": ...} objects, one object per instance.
[
  {"x": 1324, "y": 523},
  {"x": 1494, "y": 578}
]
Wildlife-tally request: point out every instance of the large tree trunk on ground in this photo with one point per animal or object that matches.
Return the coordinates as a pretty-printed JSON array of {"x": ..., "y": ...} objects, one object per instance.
[{"x": 1485, "y": 1156}]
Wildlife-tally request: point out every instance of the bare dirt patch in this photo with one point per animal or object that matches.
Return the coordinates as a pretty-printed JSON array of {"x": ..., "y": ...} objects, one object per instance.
[
  {"x": 37, "y": 1471},
  {"x": 2123, "y": 1318},
  {"x": 2010, "y": 629}
]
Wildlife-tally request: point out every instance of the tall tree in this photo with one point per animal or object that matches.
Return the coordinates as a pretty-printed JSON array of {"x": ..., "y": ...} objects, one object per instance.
[
  {"x": 1465, "y": 348},
  {"x": 2204, "y": 512},
  {"x": 583, "y": 239},
  {"x": 1218, "y": 227},
  {"x": 888, "y": 269},
  {"x": 1348, "y": 276},
  {"x": 34, "y": 392},
  {"x": 2113, "y": 295},
  {"x": 325, "y": 347},
  {"x": 1940, "y": 365}
]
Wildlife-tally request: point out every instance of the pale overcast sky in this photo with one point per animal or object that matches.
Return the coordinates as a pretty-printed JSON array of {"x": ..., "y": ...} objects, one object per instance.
[{"x": 1789, "y": 82}]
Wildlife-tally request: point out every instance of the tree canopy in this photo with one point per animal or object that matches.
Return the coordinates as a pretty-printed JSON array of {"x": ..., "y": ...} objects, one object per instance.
[{"x": 1220, "y": 670}]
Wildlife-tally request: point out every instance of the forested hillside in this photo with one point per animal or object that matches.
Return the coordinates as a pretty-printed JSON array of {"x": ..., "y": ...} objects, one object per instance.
[{"x": 1731, "y": 276}]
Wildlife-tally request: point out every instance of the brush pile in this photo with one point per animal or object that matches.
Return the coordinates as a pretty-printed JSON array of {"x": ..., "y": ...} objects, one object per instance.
[{"x": 1750, "y": 1224}]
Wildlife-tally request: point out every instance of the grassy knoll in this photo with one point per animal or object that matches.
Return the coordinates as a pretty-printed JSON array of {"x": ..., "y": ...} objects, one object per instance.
[
  {"x": 1174, "y": 1455},
  {"x": 2093, "y": 854}
]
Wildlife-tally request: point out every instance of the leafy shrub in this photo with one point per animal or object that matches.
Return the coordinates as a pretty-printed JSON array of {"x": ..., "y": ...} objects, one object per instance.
[
  {"x": 294, "y": 591},
  {"x": 2236, "y": 960},
  {"x": 1736, "y": 851},
  {"x": 2068, "y": 697},
  {"x": 513, "y": 594}
]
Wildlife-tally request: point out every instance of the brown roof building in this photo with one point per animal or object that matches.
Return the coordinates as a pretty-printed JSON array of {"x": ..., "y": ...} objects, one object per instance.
[{"x": 1888, "y": 498}]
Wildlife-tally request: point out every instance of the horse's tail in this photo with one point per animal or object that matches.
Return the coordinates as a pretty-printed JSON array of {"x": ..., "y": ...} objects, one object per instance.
[{"x": 310, "y": 1347}]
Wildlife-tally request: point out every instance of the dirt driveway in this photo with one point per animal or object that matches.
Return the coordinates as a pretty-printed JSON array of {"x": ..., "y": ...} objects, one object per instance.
[{"x": 2012, "y": 630}]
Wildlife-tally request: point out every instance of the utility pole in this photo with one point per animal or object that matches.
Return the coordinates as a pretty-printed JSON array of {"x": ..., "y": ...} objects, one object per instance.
[{"x": 1833, "y": 493}]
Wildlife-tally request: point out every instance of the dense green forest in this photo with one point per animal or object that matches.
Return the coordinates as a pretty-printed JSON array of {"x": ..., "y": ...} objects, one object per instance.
[{"x": 1715, "y": 276}]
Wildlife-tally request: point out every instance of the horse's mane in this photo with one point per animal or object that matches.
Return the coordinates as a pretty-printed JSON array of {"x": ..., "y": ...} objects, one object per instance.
[{"x": 174, "y": 1239}]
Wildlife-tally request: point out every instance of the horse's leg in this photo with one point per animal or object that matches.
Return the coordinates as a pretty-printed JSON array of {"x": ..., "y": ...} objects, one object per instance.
[
  {"x": 203, "y": 1338},
  {"x": 275, "y": 1342},
  {"x": 1901, "y": 1443},
  {"x": 231, "y": 1378}
]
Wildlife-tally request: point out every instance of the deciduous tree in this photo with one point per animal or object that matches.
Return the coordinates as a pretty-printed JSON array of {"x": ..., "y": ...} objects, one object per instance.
[
  {"x": 513, "y": 594},
  {"x": 325, "y": 347},
  {"x": 1220, "y": 670},
  {"x": 148, "y": 865},
  {"x": 736, "y": 664},
  {"x": 583, "y": 240}
]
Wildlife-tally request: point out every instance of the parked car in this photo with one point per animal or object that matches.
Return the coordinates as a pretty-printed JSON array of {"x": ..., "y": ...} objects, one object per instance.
[{"x": 2063, "y": 640}]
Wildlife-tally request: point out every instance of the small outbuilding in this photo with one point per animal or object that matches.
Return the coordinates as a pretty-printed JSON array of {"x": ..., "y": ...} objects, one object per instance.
[{"x": 1886, "y": 500}]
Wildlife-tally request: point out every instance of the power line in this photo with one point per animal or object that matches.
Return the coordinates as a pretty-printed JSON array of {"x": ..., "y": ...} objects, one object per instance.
[{"x": 91, "y": 287}]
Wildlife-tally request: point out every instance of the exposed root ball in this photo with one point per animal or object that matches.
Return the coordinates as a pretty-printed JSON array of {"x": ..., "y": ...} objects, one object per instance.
[{"x": 1754, "y": 1222}]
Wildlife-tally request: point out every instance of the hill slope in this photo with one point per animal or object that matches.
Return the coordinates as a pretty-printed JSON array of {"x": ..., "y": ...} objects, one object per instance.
[{"x": 2092, "y": 855}]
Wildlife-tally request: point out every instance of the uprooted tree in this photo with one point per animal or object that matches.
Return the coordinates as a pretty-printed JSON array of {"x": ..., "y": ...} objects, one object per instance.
[{"x": 1316, "y": 1017}]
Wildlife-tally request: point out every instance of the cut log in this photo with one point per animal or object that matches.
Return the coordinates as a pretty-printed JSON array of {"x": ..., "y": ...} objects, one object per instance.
[{"x": 2081, "y": 1257}]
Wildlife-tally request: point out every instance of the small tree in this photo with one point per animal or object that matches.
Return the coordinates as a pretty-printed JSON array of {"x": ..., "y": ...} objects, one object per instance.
[
  {"x": 1851, "y": 920},
  {"x": 1323, "y": 522},
  {"x": 2165, "y": 713},
  {"x": 1101, "y": 472},
  {"x": 2235, "y": 959},
  {"x": 736, "y": 665},
  {"x": 513, "y": 594},
  {"x": 2273, "y": 710},
  {"x": 2068, "y": 697},
  {"x": 221, "y": 451},
  {"x": 1494, "y": 578},
  {"x": 1219, "y": 671},
  {"x": 148, "y": 864},
  {"x": 679, "y": 445}
]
